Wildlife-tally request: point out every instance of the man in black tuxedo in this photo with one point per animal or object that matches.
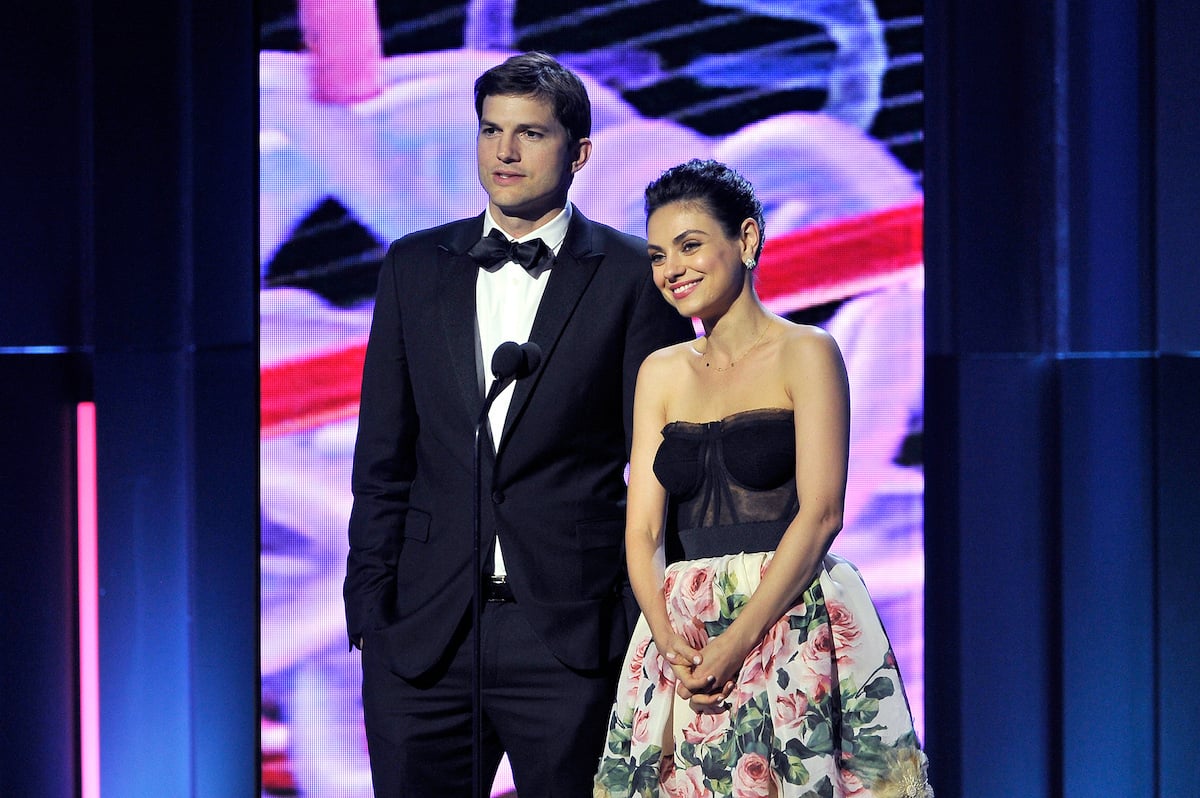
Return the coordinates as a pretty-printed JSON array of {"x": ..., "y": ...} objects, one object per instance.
[{"x": 558, "y": 613}]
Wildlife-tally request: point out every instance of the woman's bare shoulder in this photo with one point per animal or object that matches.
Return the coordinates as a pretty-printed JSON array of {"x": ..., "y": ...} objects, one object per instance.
[
  {"x": 808, "y": 341},
  {"x": 809, "y": 354},
  {"x": 669, "y": 358}
]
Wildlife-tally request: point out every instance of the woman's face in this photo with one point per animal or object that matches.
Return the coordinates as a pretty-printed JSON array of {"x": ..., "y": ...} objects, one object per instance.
[{"x": 698, "y": 268}]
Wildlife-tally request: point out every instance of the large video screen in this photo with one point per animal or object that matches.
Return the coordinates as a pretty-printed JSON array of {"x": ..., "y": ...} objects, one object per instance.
[{"x": 367, "y": 132}]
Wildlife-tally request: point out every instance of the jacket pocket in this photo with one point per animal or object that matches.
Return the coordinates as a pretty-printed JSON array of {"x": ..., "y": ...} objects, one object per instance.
[
  {"x": 601, "y": 562},
  {"x": 416, "y": 525},
  {"x": 602, "y": 534}
]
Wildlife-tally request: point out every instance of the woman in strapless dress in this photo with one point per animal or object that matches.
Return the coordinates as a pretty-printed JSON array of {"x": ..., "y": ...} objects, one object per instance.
[{"x": 759, "y": 666}]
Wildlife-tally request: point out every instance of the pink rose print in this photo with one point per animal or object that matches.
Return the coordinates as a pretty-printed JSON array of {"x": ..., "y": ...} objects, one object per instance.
[
  {"x": 752, "y": 778},
  {"x": 706, "y": 728},
  {"x": 687, "y": 784},
  {"x": 789, "y": 714},
  {"x": 658, "y": 672},
  {"x": 763, "y": 660},
  {"x": 634, "y": 673},
  {"x": 846, "y": 631},
  {"x": 851, "y": 784},
  {"x": 815, "y": 656},
  {"x": 753, "y": 678},
  {"x": 693, "y": 603},
  {"x": 641, "y": 729}
]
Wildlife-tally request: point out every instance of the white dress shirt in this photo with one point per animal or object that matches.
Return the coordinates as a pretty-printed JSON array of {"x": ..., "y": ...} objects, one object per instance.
[{"x": 506, "y": 301}]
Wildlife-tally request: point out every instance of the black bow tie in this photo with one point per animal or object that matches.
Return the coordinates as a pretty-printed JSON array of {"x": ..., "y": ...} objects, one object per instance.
[{"x": 495, "y": 249}]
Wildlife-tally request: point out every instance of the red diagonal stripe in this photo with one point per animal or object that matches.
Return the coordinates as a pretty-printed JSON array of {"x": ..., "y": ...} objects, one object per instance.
[
  {"x": 811, "y": 267},
  {"x": 309, "y": 391}
]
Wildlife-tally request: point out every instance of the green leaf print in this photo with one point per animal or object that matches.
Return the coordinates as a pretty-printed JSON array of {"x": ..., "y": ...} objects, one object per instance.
[
  {"x": 615, "y": 773},
  {"x": 880, "y": 687},
  {"x": 869, "y": 760},
  {"x": 824, "y": 789},
  {"x": 722, "y": 786},
  {"x": 820, "y": 742},
  {"x": 791, "y": 767},
  {"x": 861, "y": 747},
  {"x": 732, "y": 605},
  {"x": 861, "y": 711},
  {"x": 645, "y": 779},
  {"x": 715, "y": 767}
]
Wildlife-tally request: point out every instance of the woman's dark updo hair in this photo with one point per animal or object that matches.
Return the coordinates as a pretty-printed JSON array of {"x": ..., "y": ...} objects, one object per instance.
[{"x": 720, "y": 191}]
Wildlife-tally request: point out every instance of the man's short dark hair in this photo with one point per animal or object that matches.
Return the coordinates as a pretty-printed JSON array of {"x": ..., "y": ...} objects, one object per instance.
[{"x": 538, "y": 75}]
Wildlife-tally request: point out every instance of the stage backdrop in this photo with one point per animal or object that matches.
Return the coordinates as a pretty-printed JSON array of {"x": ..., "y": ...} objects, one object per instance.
[{"x": 367, "y": 130}]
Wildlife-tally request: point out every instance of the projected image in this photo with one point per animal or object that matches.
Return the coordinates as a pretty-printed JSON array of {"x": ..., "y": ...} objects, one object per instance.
[{"x": 367, "y": 132}]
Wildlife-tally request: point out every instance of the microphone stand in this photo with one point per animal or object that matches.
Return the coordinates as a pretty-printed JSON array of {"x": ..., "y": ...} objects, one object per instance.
[
  {"x": 477, "y": 788},
  {"x": 510, "y": 362}
]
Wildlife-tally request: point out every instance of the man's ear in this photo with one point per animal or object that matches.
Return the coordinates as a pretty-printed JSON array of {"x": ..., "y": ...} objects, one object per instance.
[{"x": 582, "y": 151}]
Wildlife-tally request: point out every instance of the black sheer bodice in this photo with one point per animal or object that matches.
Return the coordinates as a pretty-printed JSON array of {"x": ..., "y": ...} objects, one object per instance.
[{"x": 731, "y": 483}]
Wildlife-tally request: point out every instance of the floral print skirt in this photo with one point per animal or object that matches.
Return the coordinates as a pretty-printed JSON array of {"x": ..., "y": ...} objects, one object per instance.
[{"x": 818, "y": 710}]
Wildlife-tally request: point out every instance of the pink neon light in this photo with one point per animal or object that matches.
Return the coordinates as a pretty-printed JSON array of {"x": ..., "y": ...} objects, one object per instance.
[{"x": 89, "y": 615}]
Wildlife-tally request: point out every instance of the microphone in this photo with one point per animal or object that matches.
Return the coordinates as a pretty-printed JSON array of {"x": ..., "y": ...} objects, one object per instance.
[
  {"x": 531, "y": 358},
  {"x": 513, "y": 361}
]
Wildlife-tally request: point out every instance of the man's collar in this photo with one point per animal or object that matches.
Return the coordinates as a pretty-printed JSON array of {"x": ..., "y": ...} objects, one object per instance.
[{"x": 553, "y": 232}]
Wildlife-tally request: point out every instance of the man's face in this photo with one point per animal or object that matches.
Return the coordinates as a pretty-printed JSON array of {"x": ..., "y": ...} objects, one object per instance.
[{"x": 526, "y": 161}]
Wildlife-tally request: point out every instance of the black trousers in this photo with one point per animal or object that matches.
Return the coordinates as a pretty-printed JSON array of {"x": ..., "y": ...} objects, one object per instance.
[{"x": 550, "y": 719}]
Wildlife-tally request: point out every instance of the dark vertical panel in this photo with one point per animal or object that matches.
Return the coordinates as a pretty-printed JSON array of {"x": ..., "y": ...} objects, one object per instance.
[
  {"x": 41, "y": 247},
  {"x": 224, "y": 199},
  {"x": 223, "y": 105},
  {"x": 143, "y": 465},
  {"x": 1007, "y": 457},
  {"x": 1108, "y": 576},
  {"x": 1112, "y": 271},
  {"x": 224, "y": 670},
  {"x": 38, "y": 673},
  {"x": 176, "y": 388},
  {"x": 1178, "y": 562},
  {"x": 940, "y": 287},
  {"x": 1176, "y": 84},
  {"x": 143, "y": 386},
  {"x": 991, "y": 189},
  {"x": 1111, "y": 284},
  {"x": 141, "y": 230},
  {"x": 944, "y": 656},
  {"x": 39, "y": 143},
  {"x": 129, "y": 143},
  {"x": 991, "y": 247}
]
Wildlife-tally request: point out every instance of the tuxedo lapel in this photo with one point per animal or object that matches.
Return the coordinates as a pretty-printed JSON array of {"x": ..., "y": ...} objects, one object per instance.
[
  {"x": 455, "y": 286},
  {"x": 573, "y": 270}
]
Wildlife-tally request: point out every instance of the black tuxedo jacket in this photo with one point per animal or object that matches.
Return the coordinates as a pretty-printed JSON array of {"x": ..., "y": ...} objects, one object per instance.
[{"x": 553, "y": 490}]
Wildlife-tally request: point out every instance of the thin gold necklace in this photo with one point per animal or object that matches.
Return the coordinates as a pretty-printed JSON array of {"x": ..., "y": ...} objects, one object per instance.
[{"x": 733, "y": 360}]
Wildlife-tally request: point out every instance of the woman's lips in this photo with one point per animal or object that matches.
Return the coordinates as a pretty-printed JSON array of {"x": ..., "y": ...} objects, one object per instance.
[{"x": 684, "y": 289}]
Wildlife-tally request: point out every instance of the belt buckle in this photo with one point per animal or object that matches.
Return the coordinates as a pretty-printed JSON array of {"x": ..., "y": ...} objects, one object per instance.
[{"x": 496, "y": 590}]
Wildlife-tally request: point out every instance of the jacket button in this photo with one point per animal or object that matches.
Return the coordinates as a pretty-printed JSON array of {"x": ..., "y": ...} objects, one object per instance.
[{"x": 498, "y": 497}]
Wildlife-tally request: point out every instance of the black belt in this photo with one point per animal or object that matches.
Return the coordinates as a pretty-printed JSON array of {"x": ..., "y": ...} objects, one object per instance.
[
  {"x": 717, "y": 541},
  {"x": 497, "y": 590}
]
